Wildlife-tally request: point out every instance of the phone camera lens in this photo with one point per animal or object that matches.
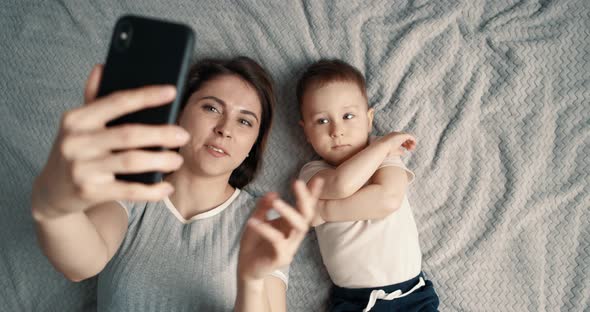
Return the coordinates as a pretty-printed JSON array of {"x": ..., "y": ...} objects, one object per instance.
[{"x": 123, "y": 36}]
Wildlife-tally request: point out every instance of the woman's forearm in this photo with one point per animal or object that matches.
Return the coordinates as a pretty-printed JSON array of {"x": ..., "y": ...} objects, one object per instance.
[
  {"x": 70, "y": 241},
  {"x": 251, "y": 296},
  {"x": 72, "y": 245}
]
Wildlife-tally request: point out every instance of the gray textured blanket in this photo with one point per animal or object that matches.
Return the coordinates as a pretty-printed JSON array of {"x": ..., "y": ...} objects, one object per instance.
[{"x": 497, "y": 93}]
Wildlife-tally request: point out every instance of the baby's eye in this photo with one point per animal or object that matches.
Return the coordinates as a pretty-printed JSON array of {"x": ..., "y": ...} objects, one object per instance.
[
  {"x": 348, "y": 116},
  {"x": 245, "y": 122},
  {"x": 322, "y": 121}
]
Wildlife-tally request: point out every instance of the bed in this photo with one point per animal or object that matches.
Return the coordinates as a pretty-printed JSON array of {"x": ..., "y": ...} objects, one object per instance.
[{"x": 497, "y": 93}]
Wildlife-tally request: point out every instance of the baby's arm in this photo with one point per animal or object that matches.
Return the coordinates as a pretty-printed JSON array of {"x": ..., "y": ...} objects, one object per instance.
[
  {"x": 376, "y": 200},
  {"x": 351, "y": 175}
]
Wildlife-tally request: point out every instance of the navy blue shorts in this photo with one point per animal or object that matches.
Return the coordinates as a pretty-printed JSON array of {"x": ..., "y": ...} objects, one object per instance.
[{"x": 356, "y": 299}]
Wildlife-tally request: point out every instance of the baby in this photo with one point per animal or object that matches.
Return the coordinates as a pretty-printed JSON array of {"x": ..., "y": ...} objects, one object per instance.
[{"x": 365, "y": 228}]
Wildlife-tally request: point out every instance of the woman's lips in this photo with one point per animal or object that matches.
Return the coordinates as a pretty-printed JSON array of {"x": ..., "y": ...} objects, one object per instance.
[{"x": 216, "y": 151}]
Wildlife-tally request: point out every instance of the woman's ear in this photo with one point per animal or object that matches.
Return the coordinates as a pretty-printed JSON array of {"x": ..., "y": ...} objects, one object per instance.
[{"x": 370, "y": 115}]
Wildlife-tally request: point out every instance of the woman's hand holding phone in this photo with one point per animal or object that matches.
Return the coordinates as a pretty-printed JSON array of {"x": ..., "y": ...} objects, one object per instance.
[{"x": 80, "y": 171}]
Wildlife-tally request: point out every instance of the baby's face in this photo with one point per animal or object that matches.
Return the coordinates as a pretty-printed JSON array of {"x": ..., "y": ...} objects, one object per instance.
[{"x": 336, "y": 120}]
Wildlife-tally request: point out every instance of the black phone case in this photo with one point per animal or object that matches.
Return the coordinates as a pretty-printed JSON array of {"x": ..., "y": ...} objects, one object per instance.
[{"x": 146, "y": 51}]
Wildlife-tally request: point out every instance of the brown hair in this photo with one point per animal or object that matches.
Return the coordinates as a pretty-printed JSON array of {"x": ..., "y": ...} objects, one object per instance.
[
  {"x": 258, "y": 78},
  {"x": 325, "y": 71}
]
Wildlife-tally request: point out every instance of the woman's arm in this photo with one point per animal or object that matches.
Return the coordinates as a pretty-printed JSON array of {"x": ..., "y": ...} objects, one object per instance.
[
  {"x": 78, "y": 225},
  {"x": 352, "y": 174},
  {"x": 374, "y": 201},
  {"x": 80, "y": 244},
  {"x": 269, "y": 245},
  {"x": 267, "y": 295}
]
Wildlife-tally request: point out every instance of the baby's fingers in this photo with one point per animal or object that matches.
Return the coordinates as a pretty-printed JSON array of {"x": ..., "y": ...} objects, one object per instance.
[{"x": 410, "y": 145}]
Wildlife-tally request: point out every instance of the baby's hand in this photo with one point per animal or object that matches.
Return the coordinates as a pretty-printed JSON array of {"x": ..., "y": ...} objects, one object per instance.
[{"x": 400, "y": 142}]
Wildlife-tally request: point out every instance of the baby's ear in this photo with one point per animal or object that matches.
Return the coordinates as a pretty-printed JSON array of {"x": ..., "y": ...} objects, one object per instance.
[
  {"x": 370, "y": 116},
  {"x": 302, "y": 124}
]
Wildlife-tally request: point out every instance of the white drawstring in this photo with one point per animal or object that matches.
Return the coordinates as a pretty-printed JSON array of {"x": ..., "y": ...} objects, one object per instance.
[{"x": 381, "y": 294}]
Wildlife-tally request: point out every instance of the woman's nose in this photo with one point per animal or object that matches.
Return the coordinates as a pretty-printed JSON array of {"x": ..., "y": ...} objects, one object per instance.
[{"x": 223, "y": 129}]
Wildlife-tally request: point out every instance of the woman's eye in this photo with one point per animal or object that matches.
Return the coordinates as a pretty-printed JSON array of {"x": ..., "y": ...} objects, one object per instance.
[
  {"x": 245, "y": 122},
  {"x": 348, "y": 116},
  {"x": 210, "y": 108},
  {"x": 322, "y": 121}
]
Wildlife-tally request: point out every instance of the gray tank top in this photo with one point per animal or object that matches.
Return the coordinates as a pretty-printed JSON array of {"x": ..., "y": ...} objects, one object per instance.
[{"x": 166, "y": 263}]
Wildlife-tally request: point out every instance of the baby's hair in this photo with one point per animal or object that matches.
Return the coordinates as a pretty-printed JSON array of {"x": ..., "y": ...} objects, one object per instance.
[{"x": 326, "y": 71}]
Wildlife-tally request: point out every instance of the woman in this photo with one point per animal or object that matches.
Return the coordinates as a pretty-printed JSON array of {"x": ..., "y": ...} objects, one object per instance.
[{"x": 182, "y": 243}]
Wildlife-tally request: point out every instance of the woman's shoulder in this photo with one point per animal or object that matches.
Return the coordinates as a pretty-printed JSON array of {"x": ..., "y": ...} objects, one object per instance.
[
  {"x": 133, "y": 208},
  {"x": 244, "y": 197}
]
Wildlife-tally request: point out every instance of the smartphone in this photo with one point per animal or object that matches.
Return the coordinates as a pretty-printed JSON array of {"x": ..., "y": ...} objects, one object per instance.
[{"x": 146, "y": 51}]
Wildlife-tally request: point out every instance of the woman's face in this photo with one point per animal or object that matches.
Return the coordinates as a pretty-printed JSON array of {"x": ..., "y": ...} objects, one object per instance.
[{"x": 223, "y": 118}]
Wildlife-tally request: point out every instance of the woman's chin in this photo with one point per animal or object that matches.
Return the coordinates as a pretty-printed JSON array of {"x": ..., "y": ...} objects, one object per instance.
[{"x": 208, "y": 168}]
